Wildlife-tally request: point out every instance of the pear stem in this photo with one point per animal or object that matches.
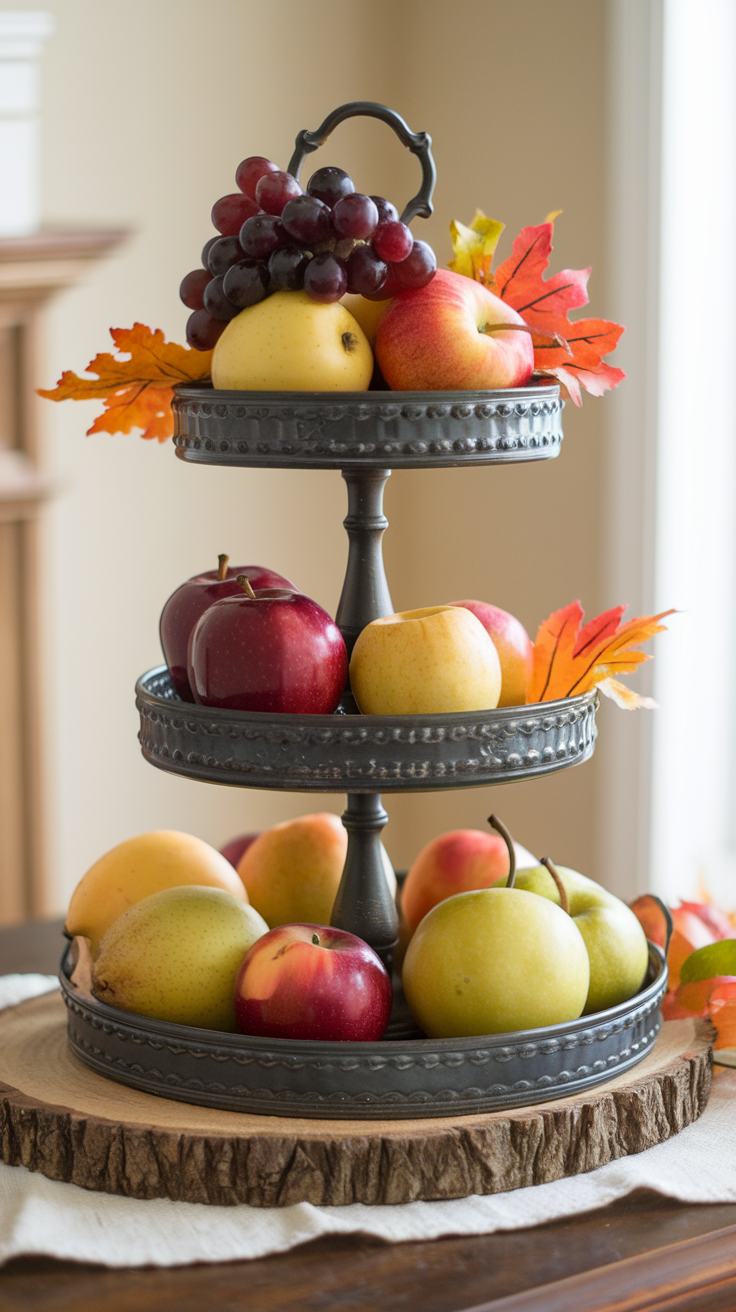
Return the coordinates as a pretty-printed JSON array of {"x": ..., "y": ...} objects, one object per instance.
[
  {"x": 244, "y": 582},
  {"x": 545, "y": 861},
  {"x": 501, "y": 829},
  {"x": 222, "y": 567}
]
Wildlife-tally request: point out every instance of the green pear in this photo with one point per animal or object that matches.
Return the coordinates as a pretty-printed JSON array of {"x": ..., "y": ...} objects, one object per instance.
[
  {"x": 616, "y": 943},
  {"x": 175, "y": 954}
]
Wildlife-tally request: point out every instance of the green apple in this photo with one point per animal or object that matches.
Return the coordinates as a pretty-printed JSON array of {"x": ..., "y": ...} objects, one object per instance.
[
  {"x": 425, "y": 662},
  {"x": 616, "y": 943},
  {"x": 290, "y": 343},
  {"x": 492, "y": 961}
]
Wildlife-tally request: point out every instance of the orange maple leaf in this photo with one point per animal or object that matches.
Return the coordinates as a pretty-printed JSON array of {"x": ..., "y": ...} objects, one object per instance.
[
  {"x": 569, "y": 351},
  {"x": 569, "y": 659},
  {"x": 136, "y": 391}
]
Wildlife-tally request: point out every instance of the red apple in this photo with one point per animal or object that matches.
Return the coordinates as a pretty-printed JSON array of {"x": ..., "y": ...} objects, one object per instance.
[
  {"x": 456, "y": 862},
  {"x": 184, "y": 607},
  {"x": 514, "y": 647},
  {"x": 274, "y": 650},
  {"x": 233, "y": 850},
  {"x": 312, "y": 982},
  {"x": 448, "y": 336}
]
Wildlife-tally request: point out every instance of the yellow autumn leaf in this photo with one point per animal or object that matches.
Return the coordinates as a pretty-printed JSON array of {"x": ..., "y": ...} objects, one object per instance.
[
  {"x": 475, "y": 247},
  {"x": 625, "y": 697}
]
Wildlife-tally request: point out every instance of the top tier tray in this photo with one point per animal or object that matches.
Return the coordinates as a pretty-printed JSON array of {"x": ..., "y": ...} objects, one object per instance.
[{"x": 354, "y": 430}]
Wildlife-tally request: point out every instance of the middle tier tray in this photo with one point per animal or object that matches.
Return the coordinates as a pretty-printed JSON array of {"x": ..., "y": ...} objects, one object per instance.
[{"x": 360, "y": 753}]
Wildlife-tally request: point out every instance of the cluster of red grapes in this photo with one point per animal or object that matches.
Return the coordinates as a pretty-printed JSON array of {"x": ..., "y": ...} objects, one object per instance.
[{"x": 274, "y": 237}]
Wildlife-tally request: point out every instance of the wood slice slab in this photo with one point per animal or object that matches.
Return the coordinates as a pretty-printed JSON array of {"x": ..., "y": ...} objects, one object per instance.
[{"x": 64, "y": 1120}]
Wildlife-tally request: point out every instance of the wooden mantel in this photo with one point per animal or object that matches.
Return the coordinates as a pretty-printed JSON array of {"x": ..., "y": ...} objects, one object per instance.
[{"x": 32, "y": 269}]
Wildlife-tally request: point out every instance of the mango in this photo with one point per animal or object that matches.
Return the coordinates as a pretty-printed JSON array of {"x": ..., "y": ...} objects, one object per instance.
[{"x": 138, "y": 867}]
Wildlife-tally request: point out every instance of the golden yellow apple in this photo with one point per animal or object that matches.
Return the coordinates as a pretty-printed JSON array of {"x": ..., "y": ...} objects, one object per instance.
[
  {"x": 368, "y": 313},
  {"x": 290, "y": 343},
  {"x": 425, "y": 662},
  {"x": 148, "y": 863}
]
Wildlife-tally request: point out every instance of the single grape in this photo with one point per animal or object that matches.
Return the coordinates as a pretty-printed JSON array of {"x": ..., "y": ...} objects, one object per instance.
[
  {"x": 245, "y": 283},
  {"x": 286, "y": 269},
  {"x": 307, "y": 220},
  {"x": 330, "y": 185},
  {"x": 250, "y": 171},
  {"x": 203, "y": 331},
  {"x": 392, "y": 241},
  {"x": 366, "y": 273},
  {"x": 224, "y": 252},
  {"x": 206, "y": 252},
  {"x": 325, "y": 278},
  {"x": 262, "y": 235},
  {"x": 275, "y": 189},
  {"x": 355, "y": 216},
  {"x": 387, "y": 213},
  {"x": 230, "y": 212},
  {"x": 418, "y": 268},
  {"x": 391, "y": 287},
  {"x": 216, "y": 302},
  {"x": 192, "y": 288}
]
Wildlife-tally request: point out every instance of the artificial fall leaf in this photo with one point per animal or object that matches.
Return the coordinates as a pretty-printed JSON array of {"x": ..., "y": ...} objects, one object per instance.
[
  {"x": 569, "y": 351},
  {"x": 136, "y": 391},
  {"x": 723, "y": 1015},
  {"x": 475, "y": 247},
  {"x": 693, "y": 999},
  {"x": 569, "y": 659}
]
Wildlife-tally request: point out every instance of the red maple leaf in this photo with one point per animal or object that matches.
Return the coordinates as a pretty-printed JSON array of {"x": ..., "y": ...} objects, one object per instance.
[{"x": 570, "y": 351}]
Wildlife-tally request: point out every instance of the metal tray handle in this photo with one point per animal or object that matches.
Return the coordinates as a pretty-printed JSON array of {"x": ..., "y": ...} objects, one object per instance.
[{"x": 419, "y": 143}]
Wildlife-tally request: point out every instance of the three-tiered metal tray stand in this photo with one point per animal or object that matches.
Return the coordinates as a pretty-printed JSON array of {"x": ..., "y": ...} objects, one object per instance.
[{"x": 405, "y": 1075}]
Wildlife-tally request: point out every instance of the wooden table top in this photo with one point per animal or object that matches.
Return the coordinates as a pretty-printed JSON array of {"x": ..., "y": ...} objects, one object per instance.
[{"x": 640, "y": 1254}]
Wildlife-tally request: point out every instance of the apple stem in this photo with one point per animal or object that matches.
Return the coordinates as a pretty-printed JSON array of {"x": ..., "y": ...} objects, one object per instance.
[
  {"x": 495, "y": 823},
  {"x": 545, "y": 861},
  {"x": 244, "y": 582},
  {"x": 554, "y": 338},
  {"x": 315, "y": 939},
  {"x": 222, "y": 567}
]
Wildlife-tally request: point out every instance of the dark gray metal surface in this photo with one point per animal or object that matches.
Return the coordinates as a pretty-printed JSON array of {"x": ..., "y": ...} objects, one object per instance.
[
  {"x": 360, "y": 753},
  {"x": 400, "y": 1078},
  {"x": 348, "y": 430}
]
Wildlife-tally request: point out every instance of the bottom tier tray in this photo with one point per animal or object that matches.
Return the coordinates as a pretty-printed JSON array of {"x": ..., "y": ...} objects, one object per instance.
[
  {"x": 70, "y": 1123},
  {"x": 402, "y": 1076}
]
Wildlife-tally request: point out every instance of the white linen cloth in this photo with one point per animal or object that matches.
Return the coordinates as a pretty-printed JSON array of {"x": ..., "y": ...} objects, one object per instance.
[{"x": 40, "y": 1216}]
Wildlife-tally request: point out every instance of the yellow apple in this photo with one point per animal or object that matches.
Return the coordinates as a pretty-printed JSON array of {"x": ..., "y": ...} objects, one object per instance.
[
  {"x": 492, "y": 961},
  {"x": 292, "y": 871},
  {"x": 138, "y": 867},
  {"x": 368, "y": 313},
  {"x": 290, "y": 343},
  {"x": 425, "y": 662}
]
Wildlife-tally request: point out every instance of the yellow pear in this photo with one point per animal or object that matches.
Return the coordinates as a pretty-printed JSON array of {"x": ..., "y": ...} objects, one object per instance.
[
  {"x": 142, "y": 865},
  {"x": 174, "y": 956},
  {"x": 290, "y": 343}
]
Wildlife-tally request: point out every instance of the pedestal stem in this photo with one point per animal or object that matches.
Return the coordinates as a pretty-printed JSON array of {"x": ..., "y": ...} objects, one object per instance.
[
  {"x": 365, "y": 594},
  {"x": 364, "y": 905}
]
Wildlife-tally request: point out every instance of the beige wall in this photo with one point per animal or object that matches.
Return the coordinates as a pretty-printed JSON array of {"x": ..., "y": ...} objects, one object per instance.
[{"x": 147, "y": 110}]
